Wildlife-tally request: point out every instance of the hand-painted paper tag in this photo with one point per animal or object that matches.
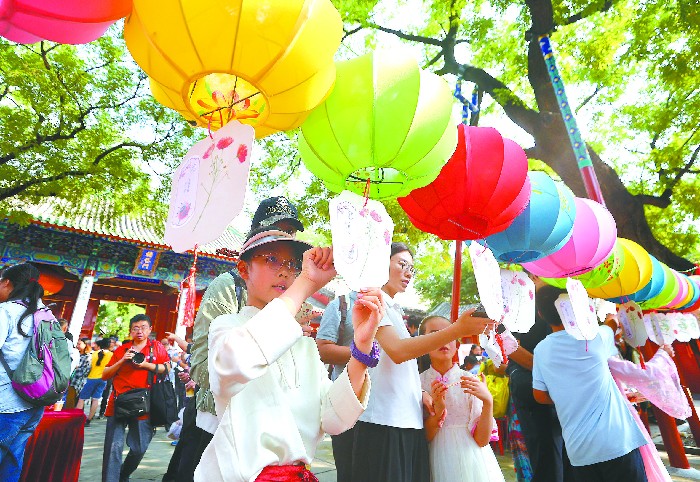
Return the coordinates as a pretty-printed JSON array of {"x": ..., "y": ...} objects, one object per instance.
[
  {"x": 651, "y": 324},
  {"x": 488, "y": 280},
  {"x": 362, "y": 232},
  {"x": 209, "y": 187},
  {"x": 680, "y": 322},
  {"x": 693, "y": 326},
  {"x": 581, "y": 329},
  {"x": 632, "y": 322},
  {"x": 668, "y": 328},
  {"x": 584, "y": 309},
  {"x": 490, "y": 345},
  {"x": 518, "y": 300}
]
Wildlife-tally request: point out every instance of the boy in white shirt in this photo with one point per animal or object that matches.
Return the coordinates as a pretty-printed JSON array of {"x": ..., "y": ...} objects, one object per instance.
[{"x": 273, "y": 397}]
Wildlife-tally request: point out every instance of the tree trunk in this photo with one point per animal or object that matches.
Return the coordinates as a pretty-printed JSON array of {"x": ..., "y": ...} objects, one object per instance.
[{"x": 553, "y": 147}]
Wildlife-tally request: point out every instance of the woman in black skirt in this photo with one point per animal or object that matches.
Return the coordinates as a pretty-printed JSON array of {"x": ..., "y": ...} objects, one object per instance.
[{"x": 389, "y": 443}]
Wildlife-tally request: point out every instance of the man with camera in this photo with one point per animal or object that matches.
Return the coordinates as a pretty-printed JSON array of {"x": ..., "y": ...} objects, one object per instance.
[{"x": 130, "y": 368}]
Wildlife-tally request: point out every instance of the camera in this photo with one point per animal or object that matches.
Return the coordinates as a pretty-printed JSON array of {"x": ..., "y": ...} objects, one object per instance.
[
  {"x": 479, "y": 312},
  {"x": 138, "y": 358},
  {"x": 178, "y": 369}
]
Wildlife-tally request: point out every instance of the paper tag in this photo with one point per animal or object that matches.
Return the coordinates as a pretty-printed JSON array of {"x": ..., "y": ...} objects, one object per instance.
[
  {"x": 633, "y": 330},
  {"x": 488, "y": 280},
  {"x": 668, "y": 329},
  {"x": 681, "y": 324},
  {"x": 362, "y": 232},
  {"x": 580, "y": 328},
  {"x": 490, "y": 345},
  {"x": 693, "y": 326},
  {"x": 518, "y": 300},
  {"x": 651, "y": 324},
  {"x": 209, "y": 187}
]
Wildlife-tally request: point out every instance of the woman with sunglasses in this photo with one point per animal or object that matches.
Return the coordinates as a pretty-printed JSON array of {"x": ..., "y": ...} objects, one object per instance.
[{"x": 388, "y": 442}]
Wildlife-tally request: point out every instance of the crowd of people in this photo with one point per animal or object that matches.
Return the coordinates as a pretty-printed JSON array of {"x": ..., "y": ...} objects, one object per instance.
[{"x": 256, "y": 393}]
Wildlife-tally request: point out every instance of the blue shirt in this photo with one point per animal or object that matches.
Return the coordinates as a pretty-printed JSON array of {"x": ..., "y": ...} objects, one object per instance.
[
  {"x": 13, "y": 346},
  {"x": 330, "y": 324},
  {"x": 596, "y": 423}
]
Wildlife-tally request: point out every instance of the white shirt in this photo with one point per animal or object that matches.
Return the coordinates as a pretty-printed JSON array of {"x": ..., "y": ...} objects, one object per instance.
[
  {"x": 396, "y": 399},
  {"x": 272, "y": 393}
]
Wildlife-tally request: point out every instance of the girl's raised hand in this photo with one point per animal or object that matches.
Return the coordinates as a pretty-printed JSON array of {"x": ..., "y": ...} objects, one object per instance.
[
  {"x": 317, "y": 266},
  {"x": 476, "y": 386},
  {"x": 367, "y": 312}
]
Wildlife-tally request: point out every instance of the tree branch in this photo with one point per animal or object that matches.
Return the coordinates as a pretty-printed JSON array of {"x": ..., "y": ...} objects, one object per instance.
[
  {"x": 663, "y": 201},
  {"x": 588, "y": 99},
  {"x": 407, "y": 36},
  {"x": 352, "y": 31},
  {"x": 588, "y": 11}
]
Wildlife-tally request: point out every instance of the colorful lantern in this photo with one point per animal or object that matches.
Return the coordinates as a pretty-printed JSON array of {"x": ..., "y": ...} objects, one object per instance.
[
  {"x": 694, "y": 303},
  {"x": 386, "y": 121},
  {"x": 634, "y": 275},
  {"x": 692, "y": 293},
  {"x": 51, "y": 281},
  {"x": 64, "y": 21},
  {"x": 542, "y": 228},
  {"x": 599, "y": 275},
  {"x": 267, "y": 64},
  {"x": 682, "y": 292},
  {"x": 669, "y": 291},
  {"x": 591, "y": 242},
  {"x": 479, "y": 192},
  {"x": 651, "y": 289}
]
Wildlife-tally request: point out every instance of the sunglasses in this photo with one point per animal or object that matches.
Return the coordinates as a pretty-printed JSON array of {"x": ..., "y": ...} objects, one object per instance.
[{"x": 276, "y": 264}]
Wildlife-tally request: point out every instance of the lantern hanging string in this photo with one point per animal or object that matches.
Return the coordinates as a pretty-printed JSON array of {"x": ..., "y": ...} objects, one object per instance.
[
  {"x": 467, "y": 105},
  {"x": 366, "y": 192}
]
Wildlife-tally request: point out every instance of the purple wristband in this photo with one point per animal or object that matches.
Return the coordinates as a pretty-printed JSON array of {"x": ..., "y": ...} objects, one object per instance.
[{"x": 370, "y": 360}]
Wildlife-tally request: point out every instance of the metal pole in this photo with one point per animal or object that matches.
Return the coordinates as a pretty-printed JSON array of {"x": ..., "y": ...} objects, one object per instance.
[{"x": 585, "y": 165}]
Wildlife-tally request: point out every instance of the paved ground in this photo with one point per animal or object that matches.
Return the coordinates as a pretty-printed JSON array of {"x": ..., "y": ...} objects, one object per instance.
[{"x": 156, "y": 460}]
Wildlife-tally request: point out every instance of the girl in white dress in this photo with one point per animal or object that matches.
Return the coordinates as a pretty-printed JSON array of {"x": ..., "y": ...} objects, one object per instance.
[{"x": 463, "y": 424}]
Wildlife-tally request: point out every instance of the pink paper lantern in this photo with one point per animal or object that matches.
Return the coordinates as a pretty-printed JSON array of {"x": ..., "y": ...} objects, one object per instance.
[
  {"x": 480, "y": 191},
  {"x": 591, "y": 243},
  {"x": 62, "y": 21}
]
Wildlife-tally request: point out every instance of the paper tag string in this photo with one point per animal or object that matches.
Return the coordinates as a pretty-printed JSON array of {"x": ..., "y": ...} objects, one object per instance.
[{"x": 188, "y": 290}]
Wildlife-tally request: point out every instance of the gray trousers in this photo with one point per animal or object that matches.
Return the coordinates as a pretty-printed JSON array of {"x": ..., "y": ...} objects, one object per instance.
[{"x": 138, "y": 438}]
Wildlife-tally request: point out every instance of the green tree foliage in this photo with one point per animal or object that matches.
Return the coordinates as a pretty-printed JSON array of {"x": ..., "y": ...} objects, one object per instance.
[
  {"x": 631, "y": 70},
  {"x": 435, "y": 273},
  {"x": 79, "y": 121},
  {"x": 113, "y": 318}
]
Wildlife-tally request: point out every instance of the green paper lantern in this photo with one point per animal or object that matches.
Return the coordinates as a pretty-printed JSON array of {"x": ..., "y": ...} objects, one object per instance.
[
  {"x": 387, "y": 121},
  {"x": 669, "y": 292},
  {"x": 599, "y": 275}
]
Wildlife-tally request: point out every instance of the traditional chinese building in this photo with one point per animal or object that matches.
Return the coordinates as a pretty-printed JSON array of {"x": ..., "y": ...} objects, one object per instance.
[{"x": 86, "y": 255}]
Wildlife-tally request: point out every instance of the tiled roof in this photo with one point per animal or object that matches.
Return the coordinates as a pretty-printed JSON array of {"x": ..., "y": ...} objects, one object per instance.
[
  {"x": 95, "y": 217},
  {"x": 445, "y": 310}
]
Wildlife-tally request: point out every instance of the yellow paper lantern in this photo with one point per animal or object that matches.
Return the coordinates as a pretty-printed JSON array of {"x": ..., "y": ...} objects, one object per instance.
[
  {"x": 634, "y": 275},
  {"x": 266, "y": 63}
]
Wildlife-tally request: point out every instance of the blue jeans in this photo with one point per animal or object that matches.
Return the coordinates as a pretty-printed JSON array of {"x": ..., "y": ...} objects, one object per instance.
[
  {"x": 15, "y": 430},
  {"x": 138, "y": 438}
]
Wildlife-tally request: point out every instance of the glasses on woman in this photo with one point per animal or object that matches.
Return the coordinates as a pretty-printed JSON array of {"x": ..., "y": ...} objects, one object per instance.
[
  {"x": 407, "y": 268},
  {"x": 275, "y": 263}
]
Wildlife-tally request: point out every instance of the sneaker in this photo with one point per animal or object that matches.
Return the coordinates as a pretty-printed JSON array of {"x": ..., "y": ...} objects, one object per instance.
[{"x": 173, "y": 443}]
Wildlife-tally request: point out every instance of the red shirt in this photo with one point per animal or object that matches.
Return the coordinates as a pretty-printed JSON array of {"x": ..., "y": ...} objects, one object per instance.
[{"x": 130, "y": 376}]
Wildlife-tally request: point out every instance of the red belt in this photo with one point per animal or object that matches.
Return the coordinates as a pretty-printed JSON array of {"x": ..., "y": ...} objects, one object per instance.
[{"x": 286, "y": 473}]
